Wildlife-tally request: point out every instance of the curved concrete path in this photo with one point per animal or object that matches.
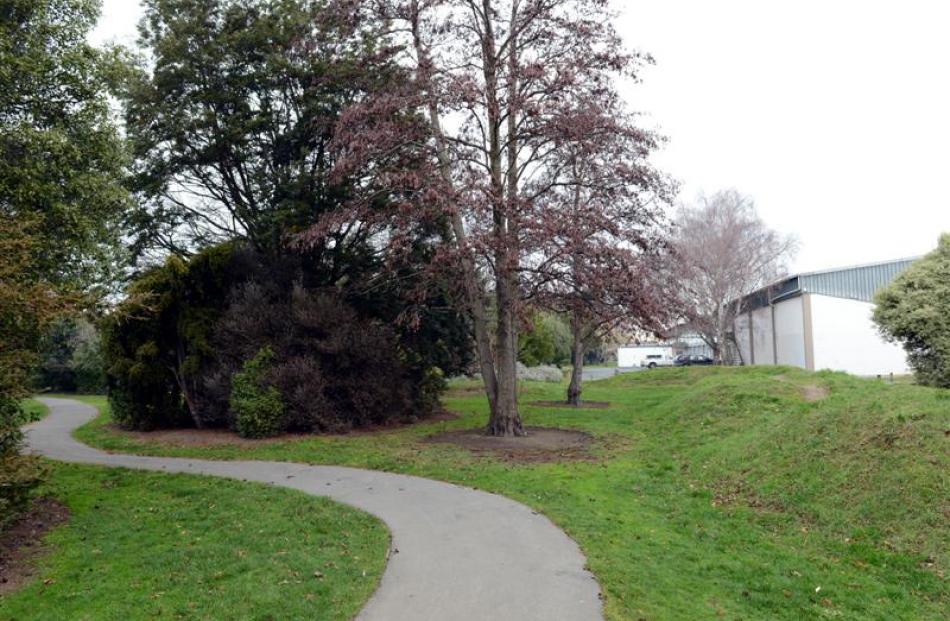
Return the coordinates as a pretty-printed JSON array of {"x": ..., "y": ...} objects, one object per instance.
[{"x": 458, "y": 554}]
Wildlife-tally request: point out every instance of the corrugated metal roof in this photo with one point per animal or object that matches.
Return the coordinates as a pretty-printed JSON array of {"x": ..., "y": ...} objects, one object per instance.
[
  {"x": 860, "y": 282},
  {"x": 854, "y": 283}
]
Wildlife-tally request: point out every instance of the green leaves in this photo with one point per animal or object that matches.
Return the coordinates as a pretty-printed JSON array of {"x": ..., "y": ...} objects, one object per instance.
[
  {"x": 62, "y": 160},
  {"x": 915, "y": 311}
]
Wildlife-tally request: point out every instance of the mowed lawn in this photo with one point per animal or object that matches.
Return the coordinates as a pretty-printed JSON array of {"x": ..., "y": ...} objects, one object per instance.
[
  {"x": 158, "y": 546},
  {"x": 753, "y": 493}
]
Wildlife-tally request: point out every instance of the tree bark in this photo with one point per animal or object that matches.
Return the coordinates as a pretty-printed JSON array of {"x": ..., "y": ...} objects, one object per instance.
[
  {"x": 577, "y": 361},
  {"x": 505, "y": 420}
]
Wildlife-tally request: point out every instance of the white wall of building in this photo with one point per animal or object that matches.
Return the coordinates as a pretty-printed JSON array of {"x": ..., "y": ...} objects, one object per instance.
[
  {"x": 632, "y": 356},
  {"x": 790, "y": 333},
  {"x": 763, "y": 347},
  {"x": 846, "y": 340},
  {"x": 742, "y": 338}
]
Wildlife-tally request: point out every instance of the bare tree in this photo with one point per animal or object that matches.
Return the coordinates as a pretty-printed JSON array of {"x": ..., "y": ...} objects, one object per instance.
[{"x": 724, "y": 251}]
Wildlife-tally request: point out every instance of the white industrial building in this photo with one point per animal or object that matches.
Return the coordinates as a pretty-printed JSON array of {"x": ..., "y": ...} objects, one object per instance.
[{"x": 821, "y": 320}]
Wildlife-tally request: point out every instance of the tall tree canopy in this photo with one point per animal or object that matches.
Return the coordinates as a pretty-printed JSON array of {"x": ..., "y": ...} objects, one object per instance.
[
  {"x": 915, "y": 312},
  {"x": 61, "y": 193},
  {"x": 62, "y": 160},
  {"x": 232, "y": 120},
  {"x": 499, "y": 89}
]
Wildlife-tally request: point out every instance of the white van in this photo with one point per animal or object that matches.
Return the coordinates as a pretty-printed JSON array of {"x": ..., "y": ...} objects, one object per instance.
[
  {"x": 642, "y": 355},
  {"x": 652, "y": 361}
]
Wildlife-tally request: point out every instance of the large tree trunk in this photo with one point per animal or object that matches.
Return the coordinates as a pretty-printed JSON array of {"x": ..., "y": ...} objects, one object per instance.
[
  {"x": 577, "y": 361},
  {"x": 505, "y": 420}
]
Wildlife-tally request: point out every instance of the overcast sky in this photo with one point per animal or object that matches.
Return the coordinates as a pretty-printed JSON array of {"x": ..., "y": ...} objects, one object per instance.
[{"x": 833, "y": 115}]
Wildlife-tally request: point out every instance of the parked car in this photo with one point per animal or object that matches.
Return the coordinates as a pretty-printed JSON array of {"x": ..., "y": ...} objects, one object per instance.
[
  {"x": 690, "y": 360},
  {"x": 653, "y": 361}
]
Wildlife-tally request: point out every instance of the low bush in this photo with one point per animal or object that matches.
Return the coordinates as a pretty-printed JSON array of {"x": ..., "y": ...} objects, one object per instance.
[
  {"x": 540, "y": 374},
  {"x": 332, "y": 369},
  {"x": 256, "y": 404}
]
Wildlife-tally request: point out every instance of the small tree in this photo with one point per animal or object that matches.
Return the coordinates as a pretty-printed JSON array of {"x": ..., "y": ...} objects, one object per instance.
[
  {"x": 914, "y": 311},
  {"x": 603, "y": 240},
  {"x": 70, "y": 359},
  {"x": 724, "y": 251}
]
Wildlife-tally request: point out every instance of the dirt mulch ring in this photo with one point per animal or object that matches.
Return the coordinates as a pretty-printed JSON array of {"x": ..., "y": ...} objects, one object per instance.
[
  {"x": 202, "y": 438},
  {"x": 585, "y": 405},
  {"x": 22, "y": 543},
  {"x": 542, "y": 444}
]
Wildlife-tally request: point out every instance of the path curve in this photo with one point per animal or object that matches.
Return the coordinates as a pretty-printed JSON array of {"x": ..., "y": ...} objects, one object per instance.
[{"x": 458, "y": 554}]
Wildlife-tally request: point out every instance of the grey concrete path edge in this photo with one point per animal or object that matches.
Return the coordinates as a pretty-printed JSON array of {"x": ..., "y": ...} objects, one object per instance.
[{"x": 458, "y": 554}]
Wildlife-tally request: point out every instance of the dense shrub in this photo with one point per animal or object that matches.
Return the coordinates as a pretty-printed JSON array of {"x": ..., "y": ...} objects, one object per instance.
[
  {"x": 543, "y": 373},
  {"x": 548, "y": 341},
  {"x": 915, "y": 311},
  {"x": 255, "y": 402},
  {"x": 333, "y": 369},
  {"x": 340, "y": 357},
  {"x": 156, "y": 344}
]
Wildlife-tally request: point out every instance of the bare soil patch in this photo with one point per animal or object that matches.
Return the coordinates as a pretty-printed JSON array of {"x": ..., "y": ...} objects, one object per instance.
[
  {"x": 21, "y": 543},
  {"x": 585, "y": 405},
  {"x": 186, "y": 438},
  {"x": 810, "y": 392},
  {"x": 814, "y": 392},
  {"x": 542, "y": 444}
]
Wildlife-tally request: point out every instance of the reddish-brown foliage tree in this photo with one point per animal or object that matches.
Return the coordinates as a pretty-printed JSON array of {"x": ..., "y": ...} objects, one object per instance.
[
  {"x": 473, "y": 145},
  {"x": 603, "y": 243}
]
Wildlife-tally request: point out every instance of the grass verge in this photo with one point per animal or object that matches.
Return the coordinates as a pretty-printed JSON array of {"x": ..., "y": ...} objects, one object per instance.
[
  {"x": 34, "y": 410},
  {"x": 712, "y": 493},
  {"x": 157, "y": 546}
]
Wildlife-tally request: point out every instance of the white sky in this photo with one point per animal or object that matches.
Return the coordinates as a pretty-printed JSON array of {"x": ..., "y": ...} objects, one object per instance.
[{"x": 833, "y": 114}]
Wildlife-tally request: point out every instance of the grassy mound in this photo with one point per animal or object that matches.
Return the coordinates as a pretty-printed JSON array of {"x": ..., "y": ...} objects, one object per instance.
[
  {"x": 867, "y": 460},
  {"x": 752, "y": 493}
]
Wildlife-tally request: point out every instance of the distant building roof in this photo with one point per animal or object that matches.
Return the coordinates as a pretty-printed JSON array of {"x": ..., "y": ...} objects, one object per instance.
[{"x": 859, "y": 282}]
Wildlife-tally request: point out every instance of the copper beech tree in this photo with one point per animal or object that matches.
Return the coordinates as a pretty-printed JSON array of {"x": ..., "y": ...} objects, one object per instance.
[
  {"x": 603, "y": 248},
  {"x": 469, "y": 148}
]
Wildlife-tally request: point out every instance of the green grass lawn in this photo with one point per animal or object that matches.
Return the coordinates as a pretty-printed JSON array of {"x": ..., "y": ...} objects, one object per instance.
[
  {"x": 157, "y": 546},
  {"x": 712, "y": 493},
  {"x": 34, "y": 410}
]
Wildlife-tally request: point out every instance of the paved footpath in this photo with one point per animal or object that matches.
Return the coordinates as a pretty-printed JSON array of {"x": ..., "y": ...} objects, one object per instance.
[{"x": 458, "y": 554}]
